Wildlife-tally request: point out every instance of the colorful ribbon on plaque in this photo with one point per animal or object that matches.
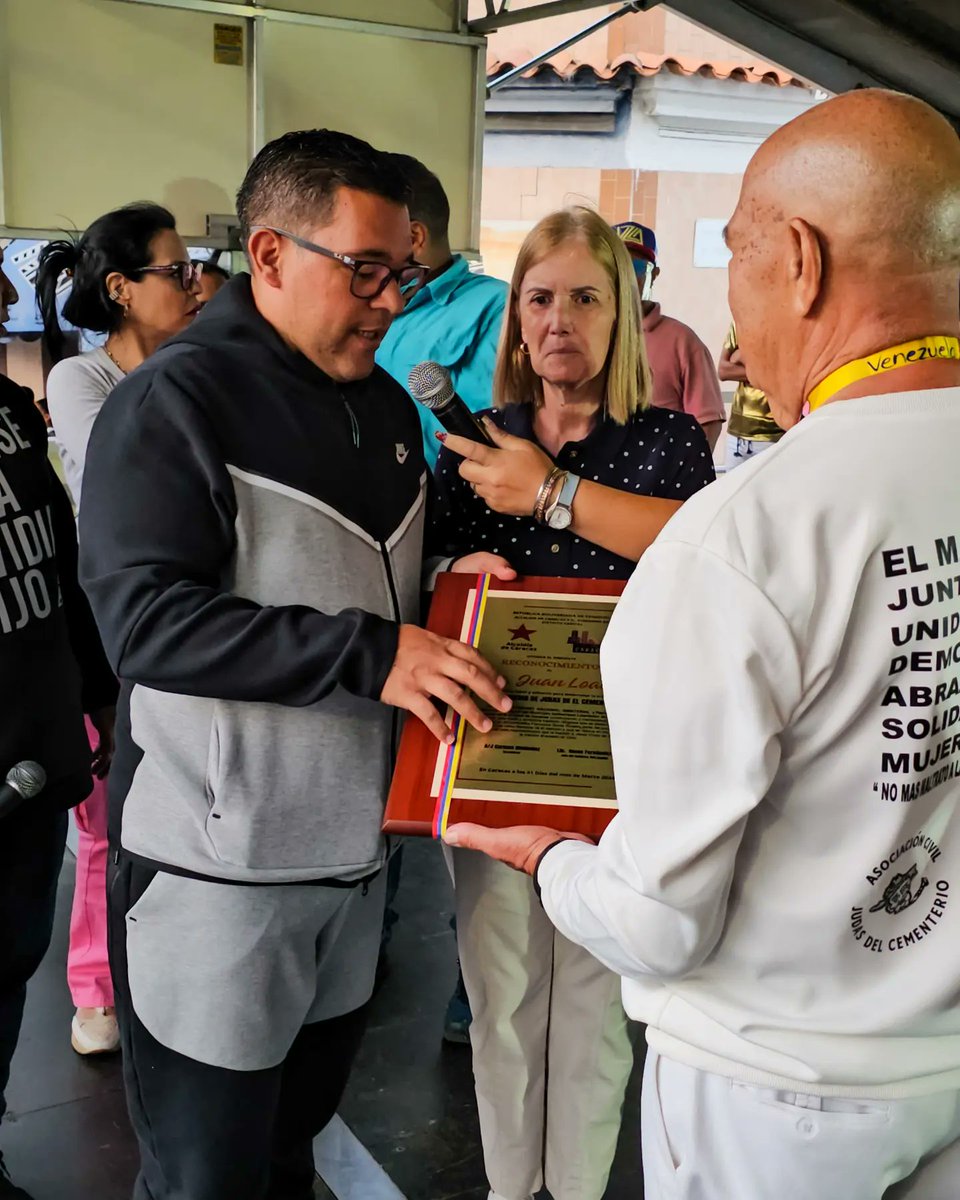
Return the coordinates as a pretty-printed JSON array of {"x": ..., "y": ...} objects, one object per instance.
[
  {"x": 451, "y": 761},
  {"x": 905, "y": 355}
]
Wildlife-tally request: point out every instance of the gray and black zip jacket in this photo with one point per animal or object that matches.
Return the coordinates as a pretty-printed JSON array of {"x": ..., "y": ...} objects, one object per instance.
[{"x": 251, "y": 536}]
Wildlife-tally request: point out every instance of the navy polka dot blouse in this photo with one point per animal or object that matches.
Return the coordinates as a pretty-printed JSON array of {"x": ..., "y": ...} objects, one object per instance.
[{"x": 658, "y": 453}]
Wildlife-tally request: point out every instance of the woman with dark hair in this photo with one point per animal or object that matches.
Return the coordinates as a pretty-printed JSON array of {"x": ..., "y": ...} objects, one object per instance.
[{"x": 132, "y": 280}]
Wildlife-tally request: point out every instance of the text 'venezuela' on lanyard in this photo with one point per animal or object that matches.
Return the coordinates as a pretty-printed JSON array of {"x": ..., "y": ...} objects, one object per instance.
[{"x": 904, "y": 355}]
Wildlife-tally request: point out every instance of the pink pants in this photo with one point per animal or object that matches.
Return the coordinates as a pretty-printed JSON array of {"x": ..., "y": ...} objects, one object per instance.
[{"x": 88, "y": 969}]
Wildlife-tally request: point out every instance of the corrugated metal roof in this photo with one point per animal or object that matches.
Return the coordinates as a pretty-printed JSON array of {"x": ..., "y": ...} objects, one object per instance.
[{"x": 911, "y": 45}]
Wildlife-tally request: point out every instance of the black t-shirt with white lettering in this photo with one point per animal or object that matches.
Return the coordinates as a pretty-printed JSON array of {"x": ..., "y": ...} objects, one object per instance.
[{"x": 52, "y": 666}]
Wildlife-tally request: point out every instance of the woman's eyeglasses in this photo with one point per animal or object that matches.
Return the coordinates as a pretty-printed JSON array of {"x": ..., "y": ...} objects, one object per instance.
[
  {"x": 187, "y": 274},
  {"x": 369, "y": 278}
]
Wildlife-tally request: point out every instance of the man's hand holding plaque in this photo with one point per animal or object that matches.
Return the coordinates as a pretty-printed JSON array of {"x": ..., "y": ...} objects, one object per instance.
[{"x": 427, "y": 666}]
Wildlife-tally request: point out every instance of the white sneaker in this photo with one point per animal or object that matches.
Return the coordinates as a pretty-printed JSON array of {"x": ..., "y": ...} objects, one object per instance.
[{"x": 95, "y": 1031}]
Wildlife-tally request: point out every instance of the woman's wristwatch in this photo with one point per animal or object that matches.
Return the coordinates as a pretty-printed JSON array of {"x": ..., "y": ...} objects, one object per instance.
[{"x": 560, "y": 514}]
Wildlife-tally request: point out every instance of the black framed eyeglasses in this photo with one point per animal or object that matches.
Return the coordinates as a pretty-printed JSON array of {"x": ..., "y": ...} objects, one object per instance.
[
  {"x": 187, "y": 274},
  {"x": 369, "y": 278}
]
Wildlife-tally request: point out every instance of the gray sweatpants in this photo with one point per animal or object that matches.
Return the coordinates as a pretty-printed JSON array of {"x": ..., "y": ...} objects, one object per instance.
[{"x": 241, "y": 1009}]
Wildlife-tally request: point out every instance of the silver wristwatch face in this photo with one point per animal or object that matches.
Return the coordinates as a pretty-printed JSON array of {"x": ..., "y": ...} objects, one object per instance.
[{"x": 560, "y": 518}]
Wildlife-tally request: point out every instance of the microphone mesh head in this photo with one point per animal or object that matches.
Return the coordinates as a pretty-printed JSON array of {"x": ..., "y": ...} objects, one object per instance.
[
  {"x": 430, "y": 383},
  {"x": 27, "y": 778}
]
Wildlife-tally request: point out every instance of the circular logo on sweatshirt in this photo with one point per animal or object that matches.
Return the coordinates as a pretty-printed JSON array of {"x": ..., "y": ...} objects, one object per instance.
[{"x": 906, "y": 902}]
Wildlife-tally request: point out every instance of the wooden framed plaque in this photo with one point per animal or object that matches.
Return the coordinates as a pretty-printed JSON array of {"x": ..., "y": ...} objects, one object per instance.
[{"x": 547, "y": 761}]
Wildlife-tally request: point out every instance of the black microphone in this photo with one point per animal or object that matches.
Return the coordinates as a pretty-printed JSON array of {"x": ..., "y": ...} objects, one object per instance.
[
  {"x": 432, "y": 386},
  {"x": 24, "y": 781}
]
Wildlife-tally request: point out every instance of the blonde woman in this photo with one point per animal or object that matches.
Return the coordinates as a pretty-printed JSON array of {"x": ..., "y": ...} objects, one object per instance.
[{"x": 550, "y": 1045}]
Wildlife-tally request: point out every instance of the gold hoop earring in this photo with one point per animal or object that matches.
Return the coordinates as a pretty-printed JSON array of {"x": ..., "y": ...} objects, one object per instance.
[{"x": 524, "y": 349}]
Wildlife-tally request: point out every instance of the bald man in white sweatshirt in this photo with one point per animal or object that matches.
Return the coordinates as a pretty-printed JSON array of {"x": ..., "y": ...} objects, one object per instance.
[{"x": 780, "y": 888}]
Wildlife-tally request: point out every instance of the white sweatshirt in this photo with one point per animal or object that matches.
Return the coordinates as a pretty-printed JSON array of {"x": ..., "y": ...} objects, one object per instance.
[
  {"x": 76, "y": 390},
  {"x": 781, "y": 887}
]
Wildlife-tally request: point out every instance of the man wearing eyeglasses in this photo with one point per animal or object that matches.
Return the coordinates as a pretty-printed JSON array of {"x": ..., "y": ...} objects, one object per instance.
[{"x": 252, "y": 548}]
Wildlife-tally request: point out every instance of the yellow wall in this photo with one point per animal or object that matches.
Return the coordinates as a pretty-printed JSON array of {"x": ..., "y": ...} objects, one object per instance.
[
  {"x": 409, "y": 96},
  {"x": 104, "y": 102},
  {"x": 420, "y": 14}
]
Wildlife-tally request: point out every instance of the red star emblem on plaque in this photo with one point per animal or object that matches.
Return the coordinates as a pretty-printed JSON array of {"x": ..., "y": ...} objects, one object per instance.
[{"x": 521, "y": 634}]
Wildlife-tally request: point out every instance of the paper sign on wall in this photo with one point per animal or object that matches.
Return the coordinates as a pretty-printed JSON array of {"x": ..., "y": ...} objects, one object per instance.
[
  {"x": 709, "y": 248},
  {"x": 228, "y": 45}
]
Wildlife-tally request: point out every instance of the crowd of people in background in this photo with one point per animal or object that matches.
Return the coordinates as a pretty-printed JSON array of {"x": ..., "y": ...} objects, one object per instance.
[
  {"x": 133, "y": 288},
  {"x": 250, "y": 479}
]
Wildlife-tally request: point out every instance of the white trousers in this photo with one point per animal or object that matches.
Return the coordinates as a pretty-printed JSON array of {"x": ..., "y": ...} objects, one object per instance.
[
  {"x": 705, "y": 1137},
  {"x": 741, "y": 450},
  {"x": 551, "y": 1049}
]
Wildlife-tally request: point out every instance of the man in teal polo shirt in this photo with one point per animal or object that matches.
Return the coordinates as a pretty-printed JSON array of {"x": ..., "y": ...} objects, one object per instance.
[{"x": 454, "y": 318}]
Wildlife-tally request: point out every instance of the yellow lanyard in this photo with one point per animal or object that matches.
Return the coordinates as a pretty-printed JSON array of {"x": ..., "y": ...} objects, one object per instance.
[{"x": 904, "y": 355}]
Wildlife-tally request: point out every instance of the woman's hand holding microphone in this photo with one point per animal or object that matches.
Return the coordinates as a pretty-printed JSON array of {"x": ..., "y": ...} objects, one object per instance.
[{"x": 507, "y": 478}]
